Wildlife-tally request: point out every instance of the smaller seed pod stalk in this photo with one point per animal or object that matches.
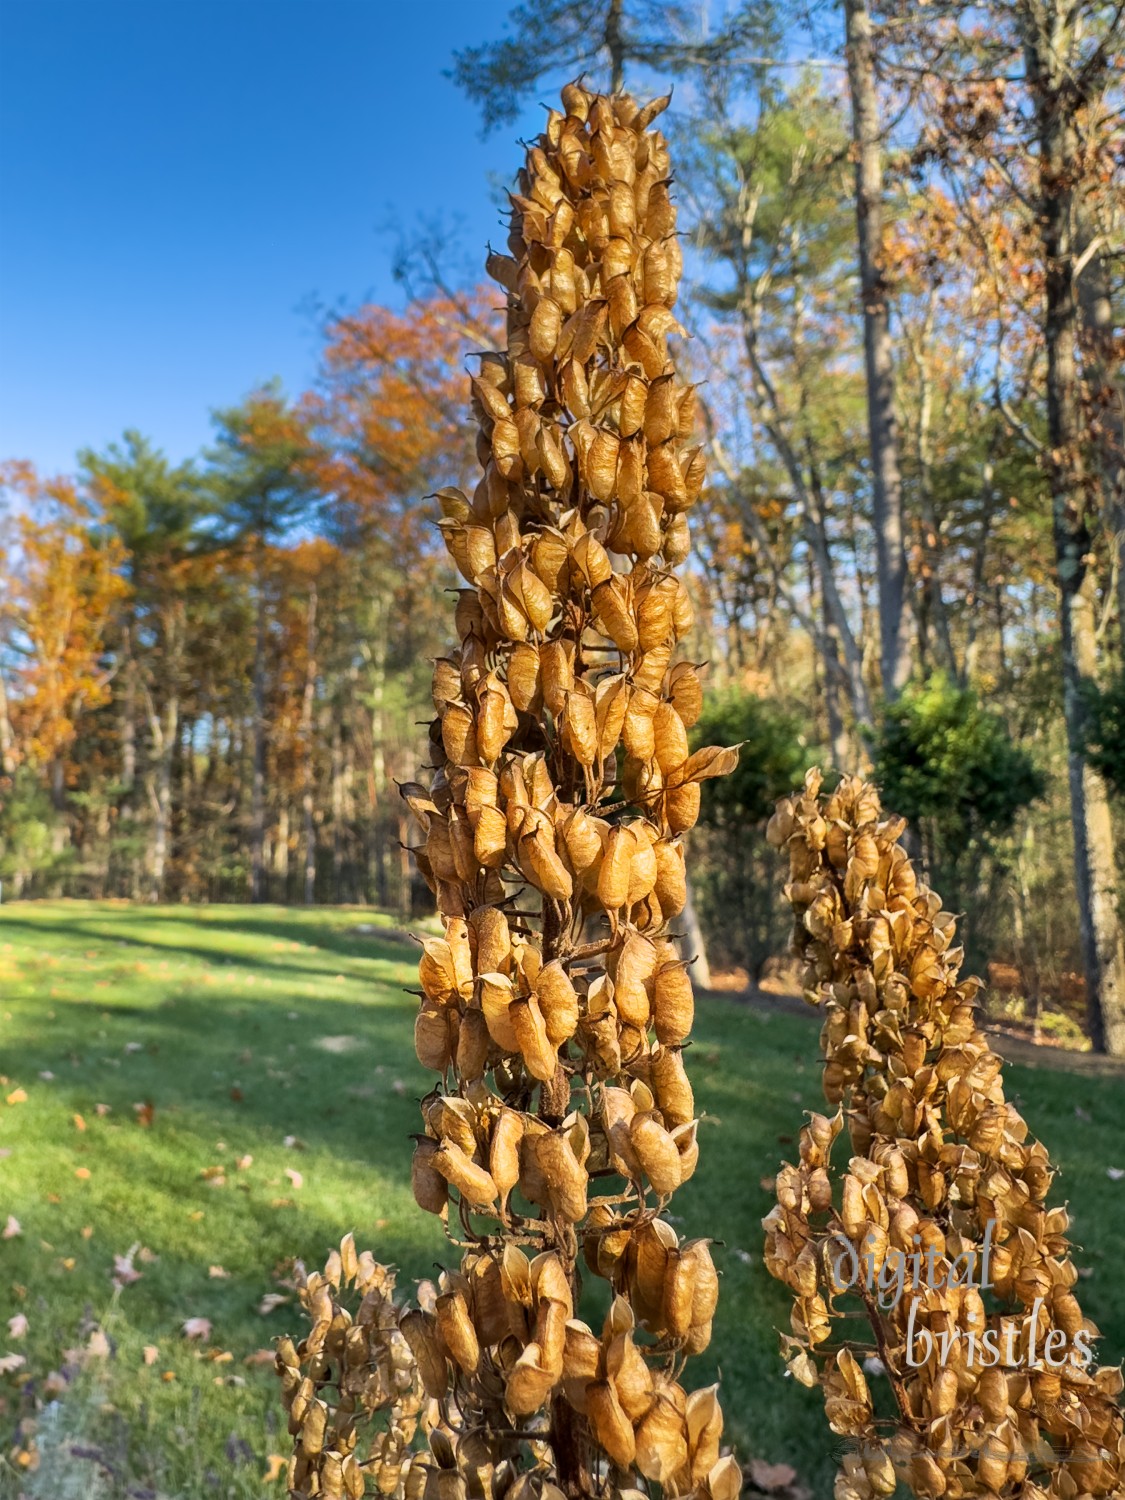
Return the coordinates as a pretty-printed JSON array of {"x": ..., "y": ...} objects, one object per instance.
[{"x": 937, "y": 1231}]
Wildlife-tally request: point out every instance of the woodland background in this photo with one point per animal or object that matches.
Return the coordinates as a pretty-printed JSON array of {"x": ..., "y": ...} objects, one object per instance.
[{"x": 903, "y": 232}]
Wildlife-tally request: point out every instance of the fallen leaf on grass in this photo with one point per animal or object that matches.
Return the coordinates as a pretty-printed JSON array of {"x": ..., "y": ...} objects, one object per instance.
[
  {"x": 101, "y": 1110},
  {"x": 281, "y": 1203},
  {"x": 133, "y": 1047},
  {"x": 260, "y": 1357},
  {"x": 151, "y": 1354},
  {"x": 219, "y": 1356},
  {"x": 97, "y": 1346},
  {"x": 197, "y": 1328},
  {"x": 276, "y": 1470},
  {"x": 294, "y": 1177},
  {"x": 11, "y": 1228},
  {"x": 82, "y": 1173},
  {"x": 293, "y": 1143},
  {"x": 145, "y": 1113},
  {"x": 79, "y": 1122},
  {"x": 18, "y": 1326},
  {"x": 770, "y": 1477},
  {"x": 87, "y": 1231},
  {"x": 244, "y": 1162},
  {"x": 1115, "y": 1174},
  {"x": 269, "y": 1302},
  {"x": 124, "y": 1272},
  {"x": 11, "y": 1362},
  {"x": 18, "y": 1096},
  {"x": 218, "y": 1273},
  {"x": 47, "y": 1076}
]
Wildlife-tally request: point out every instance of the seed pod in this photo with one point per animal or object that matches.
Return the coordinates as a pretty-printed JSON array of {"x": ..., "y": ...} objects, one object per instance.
[
  {"x": 504, "y": 1150},
  {"x": 679, "y": 1294},
  {"x": 523, "y": 675},
  {"x": 419, "y": 1331},
  {"x": 431, "y": 1191},
  {"x": 631, "y": 1377},
  {"x": 681, "y": 807},
  {"x": 611, "y": 1427},
  {"x": 581, "y": 1358},
  {"x": 471, "y": 1181},
  {"x": 540, "y": 859},
  {"x": 612, "y": 606},
  {"x": 656, "y": 1151},
  {"x": 661, "y": 1440},
  {"x": 435, "y": 1037},
  {"x": 673, "y": 1004},
  {"x": 529, "y": 1383},
  {"x": 558, "y": 1002},
  {"x": 670, "y": 1086},
  {"x": 565, "y": 1177},
  {"x": 457, "y": 1331},
  {"x": 616, "y": 867},
  {"x": 539, "y": 1057},
  {"x": 635, "y": 966}
]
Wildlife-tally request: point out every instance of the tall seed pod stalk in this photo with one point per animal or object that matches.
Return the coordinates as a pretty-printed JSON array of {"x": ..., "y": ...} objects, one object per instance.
[
  {"x": 555, "y": 1007},
  {"x": 944, "y": 1187}
]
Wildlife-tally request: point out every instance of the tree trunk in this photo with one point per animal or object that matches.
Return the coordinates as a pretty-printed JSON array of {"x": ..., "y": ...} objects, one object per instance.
[
  {"x": 308, "y": 702},
  {"x": 165, "y": 735},
  {"x": 615, "y": 44},
  {"x": 693, "y": 946},
  {"x": 258, "y": 774},
  {"x": 886, "y": 484},
  {"x": 1047, "y": 47},
  {"x": 7, "y": 738},
  {"x": 1106, "y": 395}
]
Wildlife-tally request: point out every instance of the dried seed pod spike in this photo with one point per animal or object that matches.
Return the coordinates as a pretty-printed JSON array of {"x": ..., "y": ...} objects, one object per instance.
[
  {"x": 558, "y": 1032},
  {"x": 944, "y": 1194}
]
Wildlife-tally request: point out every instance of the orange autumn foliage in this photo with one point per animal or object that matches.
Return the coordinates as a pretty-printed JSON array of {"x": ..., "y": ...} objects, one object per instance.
[{"x": 65, "y": 585}]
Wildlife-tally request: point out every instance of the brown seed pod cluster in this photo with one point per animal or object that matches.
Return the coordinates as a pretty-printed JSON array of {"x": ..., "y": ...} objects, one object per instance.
[
  {"x": 555, "y": 1005},
  {"x": 956, "y": 1261},
  {"x": 353, "y": 1369}
]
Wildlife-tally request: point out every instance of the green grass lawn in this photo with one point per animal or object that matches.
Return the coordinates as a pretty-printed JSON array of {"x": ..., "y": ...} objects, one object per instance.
[{"x": 275, "y": 1048}]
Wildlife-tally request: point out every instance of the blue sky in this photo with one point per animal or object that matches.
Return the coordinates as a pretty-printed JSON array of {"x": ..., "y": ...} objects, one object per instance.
[{"x": 181, "y": 179}]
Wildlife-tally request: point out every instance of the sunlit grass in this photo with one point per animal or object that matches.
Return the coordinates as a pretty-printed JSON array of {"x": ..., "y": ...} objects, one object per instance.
[{"x": 241, "y": 1028}]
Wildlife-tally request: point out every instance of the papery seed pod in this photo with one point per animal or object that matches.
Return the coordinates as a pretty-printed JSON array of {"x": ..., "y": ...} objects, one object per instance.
[
  {"x": 661, "y": 1439},
  {"x": 656, "y": 1151},
  {"x": 419, "y": 1330},
  {"x": 558, "y": 1001},
  {"x": 457, "y": 1331},
  {"x": 565, "y": 1177},
  {"x": 616, "y": 867},
  {"x": 504, "y": 1150},
  {"x": 529, "y": 1383},
  {"x": 582, "y": 1353},
  {"x": 611, "y": 1427},
  {"x": 673, "y": 1004},
  {"x": 471, "y": 1181},
  {"x": 431, "y": 1191},
  {"x": 530, "y": 1029}
]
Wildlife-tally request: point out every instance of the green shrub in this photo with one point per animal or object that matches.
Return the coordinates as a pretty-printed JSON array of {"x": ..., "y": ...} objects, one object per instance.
[
  {"x": 732, "y": 865},
  {"x": 949, "y": 765}
]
